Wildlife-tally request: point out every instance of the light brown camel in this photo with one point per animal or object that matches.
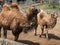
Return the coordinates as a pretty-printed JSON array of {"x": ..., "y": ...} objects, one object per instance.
[{"x": 46, "y": 21}]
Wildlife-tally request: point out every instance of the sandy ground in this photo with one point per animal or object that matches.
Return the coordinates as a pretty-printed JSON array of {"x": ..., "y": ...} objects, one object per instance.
[{"x": 30, "y": 39}]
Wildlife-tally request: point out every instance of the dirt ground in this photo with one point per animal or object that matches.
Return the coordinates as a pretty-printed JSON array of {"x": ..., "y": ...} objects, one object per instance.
[{"x": 30, "y": 39}]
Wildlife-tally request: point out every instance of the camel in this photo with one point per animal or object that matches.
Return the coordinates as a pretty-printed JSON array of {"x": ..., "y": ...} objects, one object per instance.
[
  {"x": 46, "y": 21},
  {"x": 13, "y": 18},
  {"x": 31, "y": 13}
]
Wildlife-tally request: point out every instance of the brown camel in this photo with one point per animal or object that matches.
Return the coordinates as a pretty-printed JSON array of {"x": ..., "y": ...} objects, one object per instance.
[
  {"x": 32, "y": 12},
  {"x": 46, "y": 21},
  {"x": 13, "y": 18}
]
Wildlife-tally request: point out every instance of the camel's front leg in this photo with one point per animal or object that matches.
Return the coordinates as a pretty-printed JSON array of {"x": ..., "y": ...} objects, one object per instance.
[
  {"x": 16, "y": 33},
  {"x": 5, "y": 33},
  {"x": 47, "y": 33},
  {"x": 42, "y": 28},
  {"x": 36, "y": 30}
]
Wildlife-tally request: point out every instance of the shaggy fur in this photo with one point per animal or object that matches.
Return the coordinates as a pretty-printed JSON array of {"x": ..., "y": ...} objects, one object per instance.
[
  {"x": 32, "y": 12},
  {"x": 46, "y": 20},
  {"x": 14, "y": 19}
]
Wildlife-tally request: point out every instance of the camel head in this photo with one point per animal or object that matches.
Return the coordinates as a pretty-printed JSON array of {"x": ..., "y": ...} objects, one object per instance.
[
  {"x": 32, "y": 10},
  {"x": 54, "y": 15}
]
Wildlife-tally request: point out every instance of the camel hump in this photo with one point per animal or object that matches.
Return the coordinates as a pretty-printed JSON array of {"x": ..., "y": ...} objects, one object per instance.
[
  {"x": 14, "y": 5},
  {"x": 5, "y": 6},
  {"x": 41, "y": 15}
]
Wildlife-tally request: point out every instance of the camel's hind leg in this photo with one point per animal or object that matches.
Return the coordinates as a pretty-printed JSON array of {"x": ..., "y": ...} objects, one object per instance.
[
  {"x": 47, "y": 28},
  {"x": 0, "y": 31},
  {"x": 16, "y": 37},
  {"x": 5, "y": 33},
  {"x": 36, "y": 32}
]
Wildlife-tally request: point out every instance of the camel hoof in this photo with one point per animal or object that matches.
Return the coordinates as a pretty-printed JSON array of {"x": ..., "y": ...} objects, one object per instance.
[
  {"x": 35, "y": 34},
  {"x": 15, "y": 40},
  {"x": 40, "y": 36}
]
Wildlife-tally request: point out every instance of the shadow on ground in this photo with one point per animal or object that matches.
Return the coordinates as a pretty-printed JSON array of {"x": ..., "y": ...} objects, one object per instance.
[
  {"x": 52, "y": 36},
  {"x": 28, "y": 42}
]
